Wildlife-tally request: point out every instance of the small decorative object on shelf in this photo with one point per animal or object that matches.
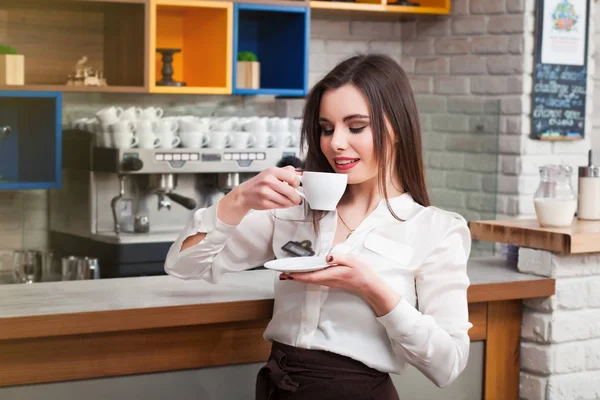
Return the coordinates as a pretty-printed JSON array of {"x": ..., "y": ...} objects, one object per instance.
[
  {"x": 167, "y": 68},
  {"x": 84, "y": 76},
  {"x": 12, "y": 66},
  {"x": 248, "y": 71}
]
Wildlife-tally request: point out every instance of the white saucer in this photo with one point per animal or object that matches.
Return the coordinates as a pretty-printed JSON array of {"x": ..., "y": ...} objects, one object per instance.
[{"x": 298, "y": 264}]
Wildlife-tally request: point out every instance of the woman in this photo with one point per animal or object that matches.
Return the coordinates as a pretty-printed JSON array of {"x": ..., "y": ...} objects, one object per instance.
[{"x": 395, "y": 292}]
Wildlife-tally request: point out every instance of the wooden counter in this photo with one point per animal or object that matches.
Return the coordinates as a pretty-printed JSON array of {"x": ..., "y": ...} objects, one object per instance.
[
  {"x": 89, "y": 329},
  {"x": 581, "y": 237}
]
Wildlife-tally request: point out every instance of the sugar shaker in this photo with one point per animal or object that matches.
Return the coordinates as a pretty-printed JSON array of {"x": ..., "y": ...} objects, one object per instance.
[{"x": 589, "y": 191}]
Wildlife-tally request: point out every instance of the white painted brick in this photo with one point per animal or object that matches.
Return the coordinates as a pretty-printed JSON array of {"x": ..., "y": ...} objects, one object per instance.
[
  {"x": 432, "y": 66},
  {"x": 514, "y": 125},
  {"x": 512, "y": 206},
  {"x": 371, "y": 29},
  {"x": 471, "y": 25},
  {"x": 469, "y": 181},
  {"x": 515, "y": 105},
  {"x": 537, "y": 262},
  {"x": 446, "y": 161},
  {"x": 530, "y": 5},
  {"x": 449, "y": 198},
  {"x": 391, "y": 48},
  {"x": 472, "y": 143},
  {"x": 526, "y": 206},
  {"x": 593, "y": 290},
  {"x": 509, "y": 145},
  {"x": 482, "y": 124},
  {"x": 425, "y": 122},
  {"x": 549, "y": 359},
  {"x": 576, "y": 265},
  {"x": 530, "y": 146},
  {"x": 346, "y": 47},
  {"x": 505, "y": 65},
  {"x": 470, "y": 65},
  {"x": 480, "y": 163},
  {"x": 583, "y": 385},
  {"x": 451, "y": 85},
  {"x": 490, "y": 44},
  {"x": 489, "y": 85},
  {"x": 460, "y": 7},
  {"x": 463, "y": 104},
  {"x": 450, "y": 123},
  {"x": 329, "y": 28},
  {"x": 516, "y": 44},
  {"x": 543, "y": 304},
  {"x": 490, "y": 184},
  {"x": 510, "y": 165},
  {"x": 418, "y": 47},
  {"x": 317, "y": 46},
  {"x": 592, "y": 351},
  {"x": 421, "y": 84},
  {"x": 433, "y": 26},
  {"x": 408, "y": 29},
  {"x": 515, "y": 85},
  {"x": 481, "y": 201},
  {"x": 536, "y": 326},
  {"x": 435, "y": 178},
  {"x": 515, "y": 6},
  {"x": 434, "y": 141},
  {"x": 407, "y": 64},
  {"x": 532, "y": 387},
  {"x": 575, "y": 146},
  {"x": 487, "y": 7},
  {"x": 431, "y": 103},
  {"x": 506, "y": 24},
  {"x": 453, "y": 45},
  {"x": 571, "y": 293},
  {"x": 529, "y": 23}
]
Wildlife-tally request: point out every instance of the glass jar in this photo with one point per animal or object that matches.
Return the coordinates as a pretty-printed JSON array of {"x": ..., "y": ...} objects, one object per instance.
[{"x": 555, "y": 200}]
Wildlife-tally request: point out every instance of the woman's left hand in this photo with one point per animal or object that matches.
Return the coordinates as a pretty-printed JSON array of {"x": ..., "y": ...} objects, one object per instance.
[
  {"x": 351, "y": 273},
  {"x": 346, "y": 272}
]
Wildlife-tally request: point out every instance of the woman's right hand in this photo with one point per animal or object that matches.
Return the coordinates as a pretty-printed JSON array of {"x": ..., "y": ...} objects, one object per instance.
[{"x": 270, "y": 189}]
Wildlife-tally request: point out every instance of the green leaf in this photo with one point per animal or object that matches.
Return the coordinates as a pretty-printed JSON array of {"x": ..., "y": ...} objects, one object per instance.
[
  {"x": 4, "y": 49},
  {"x": 246, "y": 56}
]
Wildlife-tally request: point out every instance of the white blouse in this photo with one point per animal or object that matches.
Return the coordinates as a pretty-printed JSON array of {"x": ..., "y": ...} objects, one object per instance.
[{"x": 424, "y": 258}]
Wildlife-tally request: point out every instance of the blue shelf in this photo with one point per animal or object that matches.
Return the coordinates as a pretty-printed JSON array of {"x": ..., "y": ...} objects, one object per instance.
[
  {"x": 31, "y": 155},
  {"x": 279, "y": 36}
]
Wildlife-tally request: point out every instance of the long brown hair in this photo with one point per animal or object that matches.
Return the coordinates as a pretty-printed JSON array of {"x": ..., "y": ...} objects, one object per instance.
[{"x": 390, "y": 97}]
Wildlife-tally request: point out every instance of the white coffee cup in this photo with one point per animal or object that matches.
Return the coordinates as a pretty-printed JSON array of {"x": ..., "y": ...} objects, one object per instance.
[
  {"x": 124, "y": 140},
  {"x": 282, "y": 139},
  {"x": 168, "y": 140},
  {"x": 152, "y": 113},
  {"x": 109, "y": 115},
  {"x": 193, "y": 140},
  {"x": 122, "y": 127},
  {"x": 263, "y": 140},
  {"x": 131, "y": 114},
  {"x": 165, "y": 125},
  {"x": 219, "y": 139},
  {"x": 323, "y": 190},
  {"x": 242, "y": 140},
  {"x": 148, "y": 140},
  {"x": 145, "y": 126}
]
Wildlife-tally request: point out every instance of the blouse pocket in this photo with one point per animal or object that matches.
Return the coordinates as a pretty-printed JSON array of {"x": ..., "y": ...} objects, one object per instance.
[{"x": 400, "y": 254}]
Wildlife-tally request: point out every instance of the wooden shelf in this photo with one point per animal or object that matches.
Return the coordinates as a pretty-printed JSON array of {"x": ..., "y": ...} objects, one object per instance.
[
  {"x": 81, "y": 89},
  {"x": 437, "y": 7},
  {"x": 580, "y": 237},
  {"x": 203, "y": 32},
  {"x": 346, "y": 6}
]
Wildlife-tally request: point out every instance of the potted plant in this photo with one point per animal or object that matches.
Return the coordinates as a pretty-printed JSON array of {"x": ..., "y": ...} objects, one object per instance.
[
  {"x": 248, "y": 71},
  {"x": 12, "y": 66}
]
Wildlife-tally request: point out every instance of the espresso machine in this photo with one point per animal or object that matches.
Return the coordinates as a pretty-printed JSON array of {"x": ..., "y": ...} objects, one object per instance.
[{"x": 127, "y": 206}]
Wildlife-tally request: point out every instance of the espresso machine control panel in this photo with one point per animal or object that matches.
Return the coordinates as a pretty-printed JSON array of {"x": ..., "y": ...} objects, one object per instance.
[{"x": 167, "y": 161}]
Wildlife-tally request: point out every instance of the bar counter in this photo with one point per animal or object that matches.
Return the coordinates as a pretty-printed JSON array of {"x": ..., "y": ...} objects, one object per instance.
[{"x": 61, "y": 331}]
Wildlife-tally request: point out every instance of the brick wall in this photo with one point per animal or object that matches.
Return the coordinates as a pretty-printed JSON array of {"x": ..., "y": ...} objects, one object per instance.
[{"x": 560, "y": 348}]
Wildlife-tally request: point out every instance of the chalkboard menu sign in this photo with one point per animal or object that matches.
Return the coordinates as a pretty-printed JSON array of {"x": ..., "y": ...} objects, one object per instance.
[{"x": 560, "y": 75}]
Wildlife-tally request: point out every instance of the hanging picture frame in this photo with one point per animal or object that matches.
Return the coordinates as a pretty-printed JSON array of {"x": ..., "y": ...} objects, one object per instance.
[{"x": 560, "y": 71}]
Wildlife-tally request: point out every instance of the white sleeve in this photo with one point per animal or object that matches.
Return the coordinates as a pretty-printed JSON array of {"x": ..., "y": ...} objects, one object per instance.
[
  {"x": 434, "y": 338},
  {"x": 225, "y": 248}
]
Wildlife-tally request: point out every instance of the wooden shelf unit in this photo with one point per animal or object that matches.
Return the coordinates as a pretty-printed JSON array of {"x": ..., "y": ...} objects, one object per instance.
[
  {"x": 203, "y": 32},
  {"x": 434, "y": 7},
  {"x": 54, "y": 35}
]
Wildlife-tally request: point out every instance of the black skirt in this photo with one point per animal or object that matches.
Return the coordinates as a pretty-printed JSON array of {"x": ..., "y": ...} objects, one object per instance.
[{"x": 292, "y": 373}]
